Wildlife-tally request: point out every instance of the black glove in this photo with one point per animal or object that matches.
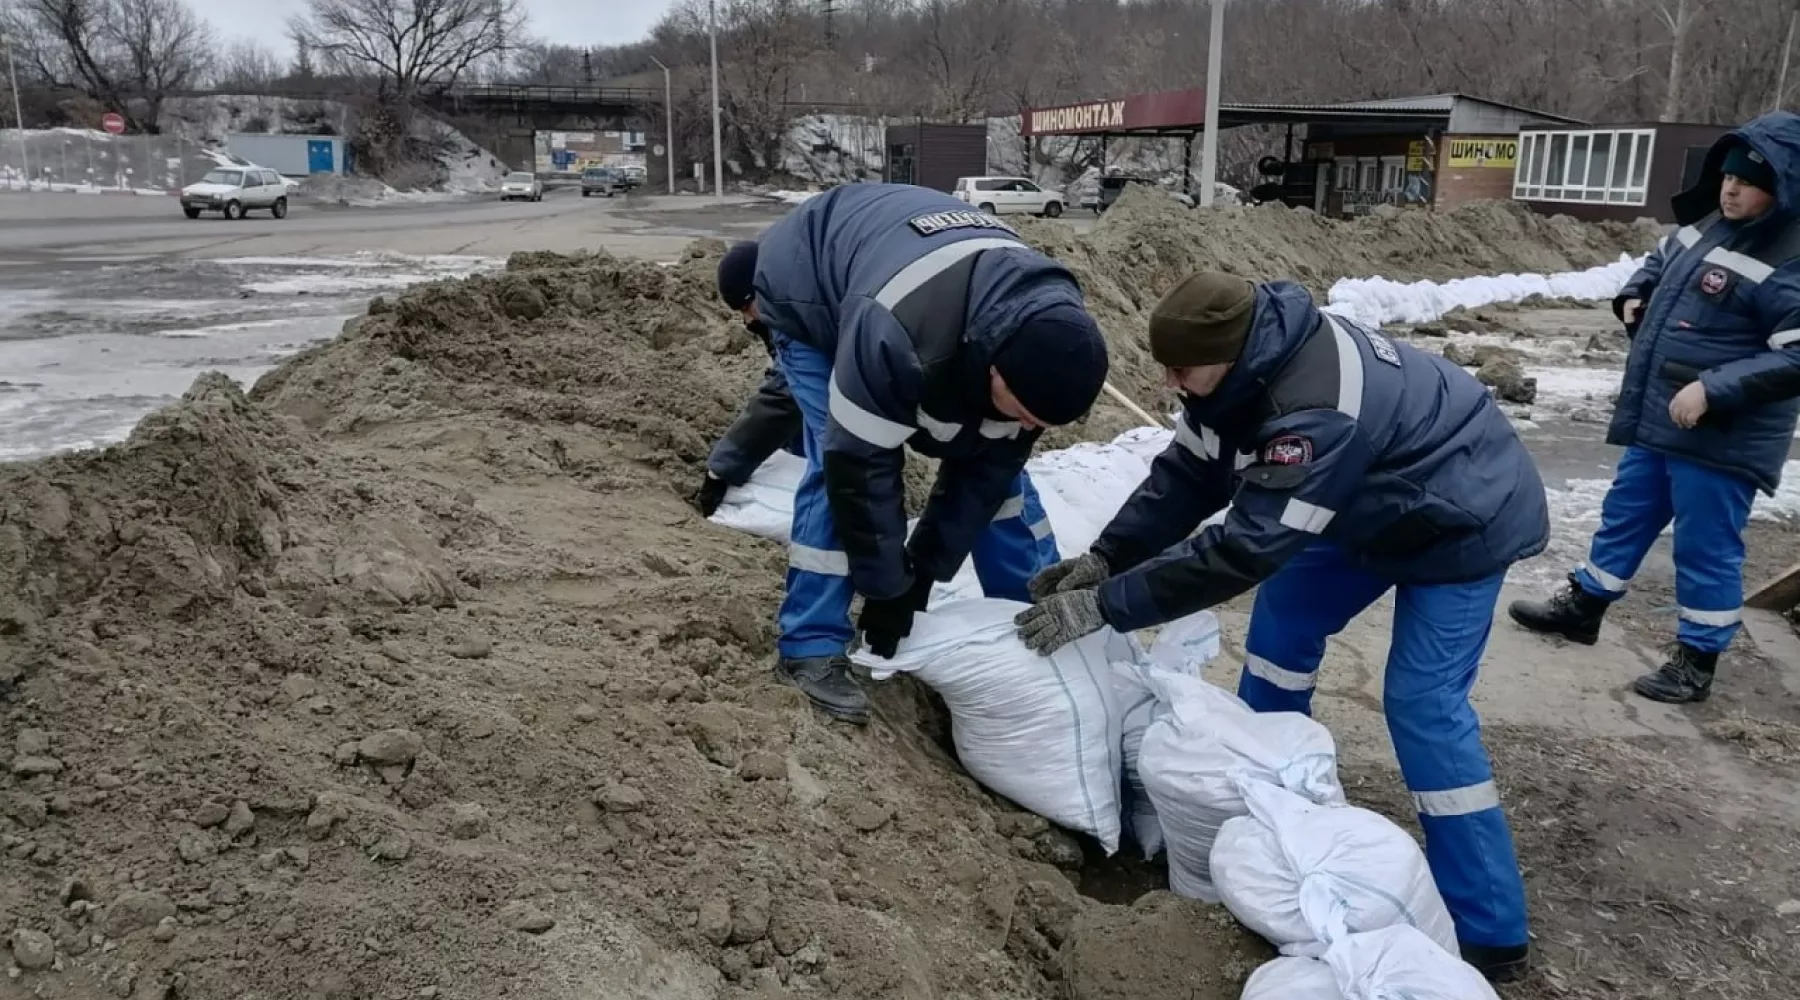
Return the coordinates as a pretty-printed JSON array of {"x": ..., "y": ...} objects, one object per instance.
[
  {"x": 710, "y": 494},
  {"x": 885, "y": 622}
]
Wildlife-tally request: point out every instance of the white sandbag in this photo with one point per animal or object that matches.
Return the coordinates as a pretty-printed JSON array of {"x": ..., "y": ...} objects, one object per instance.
[
  {"x": 1292, "y": 979},
  {"x": 1194, "y": 756},
  {"x": 764, "y": 506},
  {"x": 1394, "y": 963},
  {"x": 1184, "y": 646},
  {"x": 1304, "y": 875},
  {"x": 1400, "y": 963},
  {"x": 1041, "y": 730}
]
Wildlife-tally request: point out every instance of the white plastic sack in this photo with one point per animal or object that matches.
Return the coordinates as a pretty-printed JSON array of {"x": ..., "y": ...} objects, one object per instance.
[
  {"x": 1184, "y": 646},
  {"x": 1292, "y": 979},
  {"x": 1081, "y": 489},
  {"x": 1194, "y": 756},
  {"x": 1394, "y": 963},
  {"x": 1041, "y": 730},
  {"x": 764, "y": 506},
  {"x": 1401, "y": 963},
  {"x": 1304, "y": 875}
]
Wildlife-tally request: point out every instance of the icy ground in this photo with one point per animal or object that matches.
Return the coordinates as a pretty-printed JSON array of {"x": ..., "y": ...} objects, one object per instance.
[{"x": 79, "y": 369}]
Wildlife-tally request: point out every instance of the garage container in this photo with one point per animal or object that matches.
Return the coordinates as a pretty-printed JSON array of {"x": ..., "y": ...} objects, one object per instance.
[{"x": 290, "y": 155}]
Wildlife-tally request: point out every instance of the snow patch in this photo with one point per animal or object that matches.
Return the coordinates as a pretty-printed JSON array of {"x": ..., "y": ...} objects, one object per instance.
[
  {"x": 1577, "y": 385},
  {"x": 1378, "y": 301}
]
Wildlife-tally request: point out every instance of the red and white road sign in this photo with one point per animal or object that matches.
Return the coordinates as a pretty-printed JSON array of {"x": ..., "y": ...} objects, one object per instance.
[{"x": 113, "y": 122}]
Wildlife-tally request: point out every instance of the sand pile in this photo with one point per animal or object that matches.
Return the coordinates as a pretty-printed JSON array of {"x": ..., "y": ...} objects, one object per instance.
[
  {"x": 411, "y": 675},
  {"x": 1142, "y": 246}
]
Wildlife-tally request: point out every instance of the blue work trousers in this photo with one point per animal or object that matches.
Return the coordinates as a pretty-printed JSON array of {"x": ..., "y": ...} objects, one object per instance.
[
  {"x": 814, "y": 619},
  {"x": 1439, "y": 634},
  {"x": 1709, "y": 507}
]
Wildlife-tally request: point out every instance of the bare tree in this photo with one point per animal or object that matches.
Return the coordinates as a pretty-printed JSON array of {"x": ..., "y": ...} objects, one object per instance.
[
  {"x": 247, "y": 65},
  {"x": 409, "y": 45},
  {"x": 127, "y": 54}
]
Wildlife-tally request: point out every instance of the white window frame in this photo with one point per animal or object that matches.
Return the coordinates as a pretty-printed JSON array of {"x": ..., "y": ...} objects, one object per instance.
[
  {"x": 1393, "y": 173},
  {"x": 1531, "y": 180}
]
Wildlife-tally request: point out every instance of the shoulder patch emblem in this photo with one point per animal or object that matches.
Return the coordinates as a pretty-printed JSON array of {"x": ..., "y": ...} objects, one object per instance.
[
  {"x": 940, "y": 222},
  {"x": 1289, "y": 449},
  {"x": 1714, "y": 281},
  {"x": 1384, "y": 349}
]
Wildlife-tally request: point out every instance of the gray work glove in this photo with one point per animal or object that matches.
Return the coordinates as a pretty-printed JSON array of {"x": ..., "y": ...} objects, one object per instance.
[
  {"x": 1084, "y": 572},
  {"x": 1059, "y": 619}
]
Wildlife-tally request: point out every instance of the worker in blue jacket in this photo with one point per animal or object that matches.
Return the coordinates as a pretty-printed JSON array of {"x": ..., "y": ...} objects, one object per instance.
[
  {"x": 770, "y": 419},
  {"x": 1351, "y": 465},
  {"x": 1707, "y": 408},
  {"x": 902, "y": 317}
]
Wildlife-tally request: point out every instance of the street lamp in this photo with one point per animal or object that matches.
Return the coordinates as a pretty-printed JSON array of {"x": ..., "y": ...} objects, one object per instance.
[
  {"x": 712, "y": 36},
  {"x": 1209, "y": 145},
  {"x": 12, "y": 72},
  {"x": 669, "y": 125}
]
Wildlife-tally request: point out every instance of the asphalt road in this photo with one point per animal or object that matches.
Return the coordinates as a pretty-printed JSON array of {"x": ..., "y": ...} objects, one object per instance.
[{"x": 59, "y": 230}]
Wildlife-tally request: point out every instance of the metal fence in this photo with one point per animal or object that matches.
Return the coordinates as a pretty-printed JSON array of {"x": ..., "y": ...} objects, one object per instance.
[{"x": 64, "y": 159}]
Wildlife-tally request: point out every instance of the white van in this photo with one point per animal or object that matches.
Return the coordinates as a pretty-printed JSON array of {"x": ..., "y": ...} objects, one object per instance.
[{"x": 1009, "y": 196}]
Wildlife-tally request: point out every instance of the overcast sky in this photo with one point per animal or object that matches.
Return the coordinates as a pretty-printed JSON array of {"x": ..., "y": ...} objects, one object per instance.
[{"x": 570, "y": 22}]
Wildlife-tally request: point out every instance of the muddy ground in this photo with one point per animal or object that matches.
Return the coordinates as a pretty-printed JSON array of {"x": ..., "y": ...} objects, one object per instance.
[{"x": 410, "y": 674}]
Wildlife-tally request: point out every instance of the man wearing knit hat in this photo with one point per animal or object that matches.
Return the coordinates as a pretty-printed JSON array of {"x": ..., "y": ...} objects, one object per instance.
[
  {"x": 1707, "y": 408},
  {"x": 903, "y": 318},
  {"x": 1352, "y": 466},
  {"x": 770, "y": 419}
]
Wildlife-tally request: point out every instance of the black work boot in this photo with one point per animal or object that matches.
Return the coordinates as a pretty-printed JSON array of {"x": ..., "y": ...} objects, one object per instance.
[
  {"x": 1499, "y": 964},
  {"x": 826, "y": 682},
  {"x": 1687, "y": 677},
  {"x": 1571, "y": 612}
]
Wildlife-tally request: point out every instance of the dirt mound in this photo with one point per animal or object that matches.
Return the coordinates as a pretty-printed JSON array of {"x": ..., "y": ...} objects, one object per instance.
[
  {"x": 1141, "y": 247},
  {"x": 412, "y": 675}
]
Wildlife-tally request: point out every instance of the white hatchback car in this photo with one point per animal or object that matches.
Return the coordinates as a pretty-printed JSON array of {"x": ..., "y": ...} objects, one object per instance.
[
  {"x": 232, "y": 191},
  {"x": 1009, "y": 196},
  {"x": 522, "y": 184}
]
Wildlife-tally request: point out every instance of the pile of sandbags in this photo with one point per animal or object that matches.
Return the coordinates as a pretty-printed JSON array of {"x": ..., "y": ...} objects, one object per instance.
[
  {"x": 1103, "y": 738},
  {"x": 1048, "y": 732}
]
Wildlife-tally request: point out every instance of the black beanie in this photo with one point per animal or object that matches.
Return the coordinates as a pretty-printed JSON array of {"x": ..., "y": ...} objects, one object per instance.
[
  {"x": 737, "y": 275},
  {"x": 1750, "y": 166},
  {"x": 1054, "y": 364}
]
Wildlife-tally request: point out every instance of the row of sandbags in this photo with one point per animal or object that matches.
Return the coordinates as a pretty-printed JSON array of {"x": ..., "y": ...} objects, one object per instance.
[
  {"x": 1103, "y": 736},
  {"x": 1252, "y": 814}
]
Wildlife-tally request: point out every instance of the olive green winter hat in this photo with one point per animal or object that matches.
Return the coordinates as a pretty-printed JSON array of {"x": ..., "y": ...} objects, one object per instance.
[{"x": 1203, "y": 321}]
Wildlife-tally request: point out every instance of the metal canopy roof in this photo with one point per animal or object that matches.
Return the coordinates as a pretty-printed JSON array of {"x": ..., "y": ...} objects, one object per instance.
[{"x": 1427, "y": 109}]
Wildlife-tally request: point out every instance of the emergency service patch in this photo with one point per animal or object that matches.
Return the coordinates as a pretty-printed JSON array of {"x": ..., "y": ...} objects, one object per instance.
[
  {"x": 941, "y": 222},
  {"x": 1714, "y": 281},
  {"x": 1289, "y": 449},
  {"x": 1384, "y": 349}
]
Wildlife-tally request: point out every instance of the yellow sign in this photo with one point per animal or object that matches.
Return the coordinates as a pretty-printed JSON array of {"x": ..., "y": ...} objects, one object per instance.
[
  {"x": 1415, "y": 158},
  {"x": 1484, "y": 153}
]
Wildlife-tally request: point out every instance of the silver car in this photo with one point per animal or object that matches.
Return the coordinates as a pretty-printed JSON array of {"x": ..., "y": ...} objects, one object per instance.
[
  {"x": 523, "y": 185},
  {"x": 232, "y": 191}
]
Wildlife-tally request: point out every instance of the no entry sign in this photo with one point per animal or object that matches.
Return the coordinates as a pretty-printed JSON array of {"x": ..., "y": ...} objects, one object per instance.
[{"x": 113, "y": 122}]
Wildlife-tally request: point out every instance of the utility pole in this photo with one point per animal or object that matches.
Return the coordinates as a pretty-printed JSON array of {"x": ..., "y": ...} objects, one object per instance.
[
  {"x": 669, "y": 122},
  {"x": 1786, "y": 49},
  {"x": 1209, "y": 146},
  {"x": 12, "y": 72},
  {"x": 712, "y": 35}
]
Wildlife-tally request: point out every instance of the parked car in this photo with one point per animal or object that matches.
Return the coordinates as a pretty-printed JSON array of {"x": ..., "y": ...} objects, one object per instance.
[
  {"x": 602, "y": 180},
  {"x": 634, "y": 175},
  {"x": 1009, "y": 196},
  {"x": 523, "y": 185},
  {"x": 232, "y": 191}
]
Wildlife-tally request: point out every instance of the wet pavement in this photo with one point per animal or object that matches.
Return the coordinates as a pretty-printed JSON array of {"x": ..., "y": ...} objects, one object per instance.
[{"x": 111, "y": 305}]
